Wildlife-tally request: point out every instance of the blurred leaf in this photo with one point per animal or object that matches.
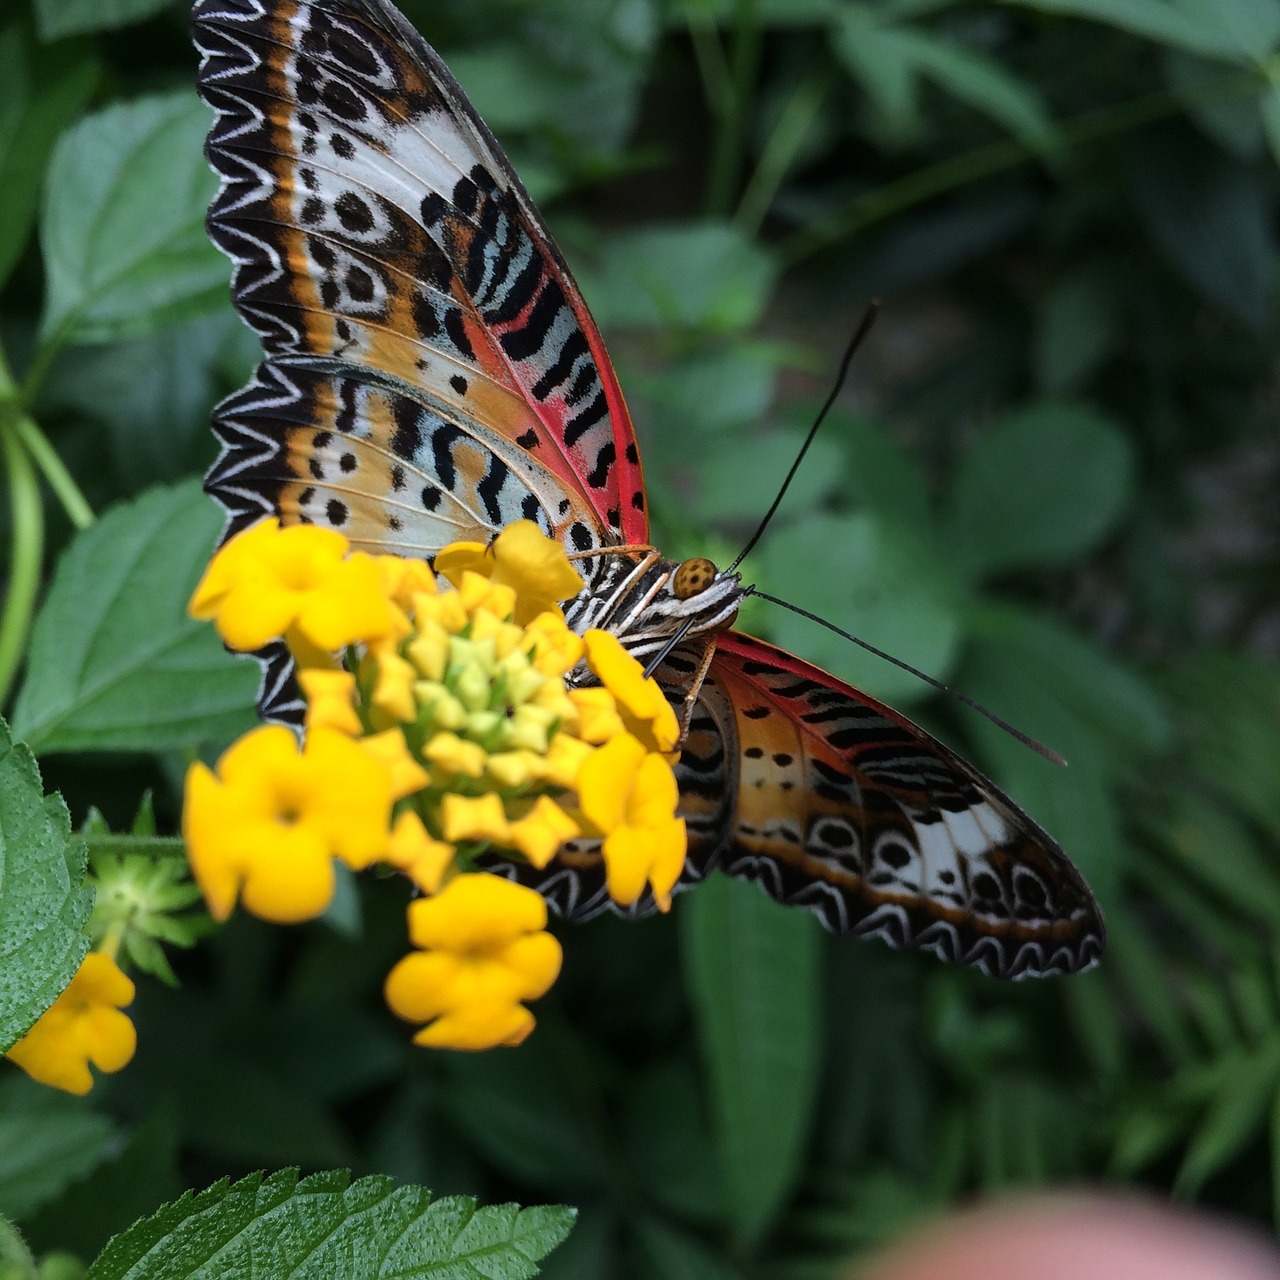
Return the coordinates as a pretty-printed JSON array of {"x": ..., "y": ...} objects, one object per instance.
[
  {"x": 44, "y": 90},
  {"x": 590, "y": 1252},
  {"x": 43, "y": 905},
  {"x": 1026, "y": 1132},
  {"x": 1212, "y": 216},
  {"x": 727, "y": 491},
  {"x": 698, "y": 275},
  {"x": 326, "y": 1225},
  {"x": 665, "y": 1252},
  {"x": 1233, "y": 121},
  {"x": 115, "y": 662},
  {"x": 535, "y": 1112},
  {"x": 1146, "y": 978},
  {"x": 48, "y": 1139},
  {"x": 153, "y": 394},
  {"x": 123, "y": 223},
  {"x": 1195, "y": 28},
  {"x": 1269, "y": 107},
  {"x": 888, "y": 588},
  {"x": 708, "y": 391},
  {"x": 882, "y": 475},
  {"x": 1235, "y": 1118},
  {"x": 668, "y": 1143},
  {"x": 769, "y": 13},
  {"x": 751, "y": 967},
  {"x": 1042, "y": 486},
  {"x": 1078, "y": 329},
  {"x": 1146, "y": 1131},
  {"x": 1230, "y": 705},
  {"x": 58, "y": 18}
]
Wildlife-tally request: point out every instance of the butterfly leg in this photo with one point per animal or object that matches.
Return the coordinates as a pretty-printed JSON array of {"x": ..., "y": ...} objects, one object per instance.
[{"x": 691, "y": 697}]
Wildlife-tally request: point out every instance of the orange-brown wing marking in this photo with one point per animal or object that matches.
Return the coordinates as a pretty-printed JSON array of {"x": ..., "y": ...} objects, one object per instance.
[{"x": 844, "y": 806}]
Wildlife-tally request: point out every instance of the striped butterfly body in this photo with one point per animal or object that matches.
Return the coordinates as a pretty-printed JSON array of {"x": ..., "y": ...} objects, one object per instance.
[{"x": 432, "y": 373}]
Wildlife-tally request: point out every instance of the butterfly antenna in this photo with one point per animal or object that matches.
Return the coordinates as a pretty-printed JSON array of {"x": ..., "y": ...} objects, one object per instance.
[
  {"x": 1024, "y": 738},
  {"x": 864, "y": 328}
]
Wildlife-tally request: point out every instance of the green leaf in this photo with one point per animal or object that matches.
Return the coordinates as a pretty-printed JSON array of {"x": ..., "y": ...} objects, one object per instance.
[
  {"x": 981, "y": 83},
  {"x": 703, "y": 275},
  {"x": 727, "y": 491},
  {"x": 664, "y": 1252},
  {"x": 326, "y": 1226},
  {"x": 123, "y": 225},
  {"x": 1233, "y": 121},
  {"x": 48, "y": 1140},
  {"x": 1235, "y": 1118},
  {"x": 1211, "y": 214},
  {"x": 1042, "y": 486},
  {"x": 888, "y": 588},
  {"x": 883, "y": 476},
  {"x": 115, "y": 662},
  {"x": 1077, "y": 329},
  {"x": 1231, "y": 727},
  {"x": 152, "y": 395},
  {"x": 44, "y": 90},
  {"x": 43, "y": 906},
  {"x": 708, "y": 391},
  {"x": 535, "y": 1111},
  {"x": 752, "y": 970},
  {"x": 58, "y": 18},
  {"x": 1182, "y": 27},
  {"x": 1269, "y": 107}
]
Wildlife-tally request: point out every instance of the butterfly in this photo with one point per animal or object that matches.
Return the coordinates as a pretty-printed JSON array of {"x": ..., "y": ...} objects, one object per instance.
[{"x": 432, "y": 373}]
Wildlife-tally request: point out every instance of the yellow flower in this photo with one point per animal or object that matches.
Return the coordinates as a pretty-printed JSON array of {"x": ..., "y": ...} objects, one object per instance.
[
  {"x": 521, "y": 557},
  {"x": 83, "y": 1025},
  {"x": 483, "y": 952},
  {"x": 414, "y": 851},
  {"x": 630, "y": 796},
  {"x": 330, "y": 700},
  {"x": 404, "y": 773},
  {"x": 268, "y": 582},
  {"x": 269, "y": 824},
  {"x": 643, "y": 706}
]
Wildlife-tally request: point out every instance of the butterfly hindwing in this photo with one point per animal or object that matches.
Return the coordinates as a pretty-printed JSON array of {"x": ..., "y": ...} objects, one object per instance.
[
  {"x": 842, "y": 805},
  {"x": 378, "y": 232}
]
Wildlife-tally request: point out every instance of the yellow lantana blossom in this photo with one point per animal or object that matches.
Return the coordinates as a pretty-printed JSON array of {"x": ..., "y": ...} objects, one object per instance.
[
  {"x": 522, "y": 557},
  {"x": 269, "y": 582},
  {"x": 629, "y": 795},
  {"x": 642, "y": 705},
  {"x": 83, "y": 1025},
  {"x": 484, "y": 950},
  {"x": 268, "y": 825}
]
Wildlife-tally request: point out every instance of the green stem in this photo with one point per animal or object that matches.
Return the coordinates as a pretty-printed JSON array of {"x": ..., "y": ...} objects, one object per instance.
[
  {"x": 122, "y": 842},
  {"x": 54, "y": 471},
  {"x": 780, "y": 150},
  {"x": 27, "y": 519},
  {"x": 733, "y": 112},
  {"x": 982, "y": 162}
]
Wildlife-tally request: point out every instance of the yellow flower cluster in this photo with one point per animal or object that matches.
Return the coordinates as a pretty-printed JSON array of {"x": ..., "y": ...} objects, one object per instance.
[{"x": 440, "y": 728}]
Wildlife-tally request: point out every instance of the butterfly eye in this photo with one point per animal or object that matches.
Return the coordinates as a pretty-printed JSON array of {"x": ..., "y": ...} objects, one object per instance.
[{"x": 693, "y": 577}]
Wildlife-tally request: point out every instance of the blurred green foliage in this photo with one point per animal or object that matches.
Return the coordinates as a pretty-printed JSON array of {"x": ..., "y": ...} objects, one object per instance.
[{"x": 1052, "y": 484}]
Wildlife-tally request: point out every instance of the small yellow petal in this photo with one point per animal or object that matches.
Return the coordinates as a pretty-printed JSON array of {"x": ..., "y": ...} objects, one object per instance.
[
  {"x": 330, "y": 699},
  {"x": 456, "y": 754},
  {"x": 391, "y": 750},
  {"x": 412, "y": 850}
]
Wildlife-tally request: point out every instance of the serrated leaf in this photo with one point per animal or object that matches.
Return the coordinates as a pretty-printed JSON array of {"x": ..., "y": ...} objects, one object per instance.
[
  {"x": 58, "y": 18},
  {"x": 44, "y": 90},
  {"x": 48, "y": 1140},
  {"x": 1042, "y": 486},
  {"x": 752, "y": 970},
  {"x": 123, "y": 232},
  {"x": 115, "y": 663},
  {"x": 43, "y": 904},
  {"x": 702, "y": 275},
  {"x": 325, "y": 1226}
]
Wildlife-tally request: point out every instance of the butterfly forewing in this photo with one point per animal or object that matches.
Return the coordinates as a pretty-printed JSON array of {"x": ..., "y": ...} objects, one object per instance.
[
  {"x": 375, "y": 223},
  {"x": 433, "y": 373}
]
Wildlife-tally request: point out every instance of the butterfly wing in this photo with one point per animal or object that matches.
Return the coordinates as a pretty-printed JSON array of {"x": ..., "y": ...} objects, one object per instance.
[
  {"x": 842, "y": 805},
  {"x": 432, "y": 369}
]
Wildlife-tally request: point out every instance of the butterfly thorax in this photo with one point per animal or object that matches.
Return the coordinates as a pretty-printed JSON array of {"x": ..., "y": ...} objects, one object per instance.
[{"x": 644, "y": 599}]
